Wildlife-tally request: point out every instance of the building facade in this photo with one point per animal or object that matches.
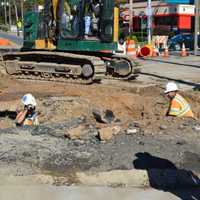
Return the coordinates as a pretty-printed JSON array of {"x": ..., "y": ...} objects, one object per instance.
[{"x": 166, "y": 17}]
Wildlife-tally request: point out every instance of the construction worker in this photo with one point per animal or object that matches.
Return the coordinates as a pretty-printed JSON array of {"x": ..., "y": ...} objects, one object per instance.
[
  {"x": 178, "y": 106},
  {"x": 28, "y": 116},
  {"x": 19, "y": 26}
]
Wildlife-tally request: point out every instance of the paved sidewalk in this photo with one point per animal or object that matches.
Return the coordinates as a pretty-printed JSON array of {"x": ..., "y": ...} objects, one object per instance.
[{"x": 90, "y": 193}]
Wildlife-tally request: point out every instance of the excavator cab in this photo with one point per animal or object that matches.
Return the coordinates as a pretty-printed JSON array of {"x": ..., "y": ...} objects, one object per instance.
[{"x": 72, "y": 25}]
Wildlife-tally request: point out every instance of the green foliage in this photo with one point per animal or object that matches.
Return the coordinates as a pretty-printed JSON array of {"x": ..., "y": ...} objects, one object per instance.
[
  {"x": 4, "y": 28},
  {"x": 141, "y": 36},
  {"x": 132, "y": 37}
]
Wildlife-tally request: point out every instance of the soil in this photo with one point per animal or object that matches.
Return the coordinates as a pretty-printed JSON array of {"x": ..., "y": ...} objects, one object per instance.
[{"x": 45, "y": 149}]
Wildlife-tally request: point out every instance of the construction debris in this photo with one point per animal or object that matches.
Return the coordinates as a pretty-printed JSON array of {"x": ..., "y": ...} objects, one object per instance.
[
  {"x": 104, "y": 116},
  {"x": 76, "y": 133},
  {"x": 107, "y": 133}
]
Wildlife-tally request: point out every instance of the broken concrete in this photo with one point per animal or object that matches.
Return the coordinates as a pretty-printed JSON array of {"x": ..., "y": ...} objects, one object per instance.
[
  {"x": 141, "y": 178},
  {"x": 104, "y": 116},
  {"x": 107, "y": 133},
  {"x": 76, "y": 133}
]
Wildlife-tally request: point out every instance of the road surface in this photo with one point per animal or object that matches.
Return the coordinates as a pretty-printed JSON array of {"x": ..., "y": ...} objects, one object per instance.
[
  {"x": 42, "y": 192},
  {"x": 12, "y": 37}
]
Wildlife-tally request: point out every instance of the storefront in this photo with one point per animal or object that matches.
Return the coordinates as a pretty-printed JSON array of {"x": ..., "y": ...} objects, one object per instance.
[{"x": 166, "y": 17}]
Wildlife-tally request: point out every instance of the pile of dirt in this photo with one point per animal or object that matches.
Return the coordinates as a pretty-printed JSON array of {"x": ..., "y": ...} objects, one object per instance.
[{"x": 57, "y": 102}]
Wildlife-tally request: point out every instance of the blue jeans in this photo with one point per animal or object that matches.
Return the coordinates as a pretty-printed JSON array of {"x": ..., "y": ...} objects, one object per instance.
[{"x": 87, "y": 24}]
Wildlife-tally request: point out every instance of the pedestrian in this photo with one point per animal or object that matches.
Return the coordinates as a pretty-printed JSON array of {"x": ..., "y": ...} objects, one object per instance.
[
  {"x": 178, "y": 106},
  {"x": 28, "y": 116}
]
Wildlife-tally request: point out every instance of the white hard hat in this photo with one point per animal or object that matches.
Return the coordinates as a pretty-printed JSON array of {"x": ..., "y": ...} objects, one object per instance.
[
  {"x": 171, "y": 87},
  {"x": 29, "y": 99}
]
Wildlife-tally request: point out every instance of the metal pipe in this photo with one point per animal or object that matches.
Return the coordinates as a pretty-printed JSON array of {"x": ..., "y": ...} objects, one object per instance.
[
  {"x": 149, "y": 20},
  {"x": 5, "y": 12},
  {"x": 22, "y": 10},
  {"x": 9, "y": 14}
]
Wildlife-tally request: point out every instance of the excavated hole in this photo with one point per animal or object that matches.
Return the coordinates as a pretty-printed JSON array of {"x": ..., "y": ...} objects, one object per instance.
[
  {"x": 7, "y": 118},
  {"x": 9, "y": 114}
]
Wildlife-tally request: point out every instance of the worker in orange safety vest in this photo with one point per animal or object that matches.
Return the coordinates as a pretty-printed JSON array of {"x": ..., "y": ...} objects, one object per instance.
[{"x": 178, "y": 106}]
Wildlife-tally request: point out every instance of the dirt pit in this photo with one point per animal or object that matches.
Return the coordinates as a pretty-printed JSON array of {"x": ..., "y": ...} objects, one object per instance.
[
  {"x": 58, "y": 102},
  {"x": 65, "y": 107}
]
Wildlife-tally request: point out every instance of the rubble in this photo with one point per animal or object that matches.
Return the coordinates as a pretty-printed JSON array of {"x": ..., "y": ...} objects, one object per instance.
[
  {"x": 197, "y": 128},
  {"x": 107, "y": 133},
  {"x": 163, "y": 127},
  {"x": 104, "y": 116},
  {"x": 76, "y": 133},
  {"x": 73, "y": 136},
  {"x": 131, "y": 131}
]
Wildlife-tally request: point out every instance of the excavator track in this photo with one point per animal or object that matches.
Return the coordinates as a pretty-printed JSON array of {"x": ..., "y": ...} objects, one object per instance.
[
  {"x": 54, "y": 66},
  {"x": 68, "y": 67},
  {"x": 129, "y": 71}
]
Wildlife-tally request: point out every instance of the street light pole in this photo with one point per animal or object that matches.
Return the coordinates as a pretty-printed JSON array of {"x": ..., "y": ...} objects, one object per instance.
[
  {"x": 5, "y": 11},
  {"x": 9, "y": 14},
  {"x": 149, "y": 20},
  {"x": 196, "y": 28},
  {"x": 22, "y": 9},
  {"x": 131, "y": 16}
]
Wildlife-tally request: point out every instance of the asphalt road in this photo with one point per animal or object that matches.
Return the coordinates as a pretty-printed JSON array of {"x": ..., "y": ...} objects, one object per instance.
[
  {"x": 12, "y": 37},
  {"x": 183, "y": 70}
]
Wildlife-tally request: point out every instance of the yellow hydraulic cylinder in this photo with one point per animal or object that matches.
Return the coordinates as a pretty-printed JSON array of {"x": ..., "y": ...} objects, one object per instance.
[
  {"x": 116, "y": 24},
  {"x": 55, "y": 8}
]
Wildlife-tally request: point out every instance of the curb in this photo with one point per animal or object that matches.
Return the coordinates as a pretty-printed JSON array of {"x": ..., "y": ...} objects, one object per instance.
[{"x": 157, "y": 178}]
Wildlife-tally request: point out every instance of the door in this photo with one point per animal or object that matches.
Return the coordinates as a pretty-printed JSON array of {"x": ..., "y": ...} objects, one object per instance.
[
  {"x": 106, "y": 20},
  {"x": 71, "y": 23}
]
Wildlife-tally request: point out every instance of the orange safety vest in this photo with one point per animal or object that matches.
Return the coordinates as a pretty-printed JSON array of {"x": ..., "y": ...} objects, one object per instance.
[
  {"x": 179, "y": 107},
  {"x": 31, "y": 120}
]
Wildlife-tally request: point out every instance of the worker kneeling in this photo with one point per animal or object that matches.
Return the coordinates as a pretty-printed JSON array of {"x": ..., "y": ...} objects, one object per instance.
[
  {"x": 28, "y": 116},
  {"x": 178, "y": 106}
]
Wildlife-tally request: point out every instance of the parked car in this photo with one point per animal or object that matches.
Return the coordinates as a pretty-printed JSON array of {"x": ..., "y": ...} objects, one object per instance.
[{"x": 175, "y": 43}]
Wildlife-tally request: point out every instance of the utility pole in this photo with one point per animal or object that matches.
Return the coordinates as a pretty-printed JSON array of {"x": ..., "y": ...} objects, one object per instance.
[
  {"x": 9, "y": 14},
  {"x": 5, "y": 11},
  {"x": 149, "y": 20},
  {"x": 22, "y": 9},
  {"x": 196, "y": 28},
  {"x": 131, "y": 17},
  {"x": 16, "y": 10}
]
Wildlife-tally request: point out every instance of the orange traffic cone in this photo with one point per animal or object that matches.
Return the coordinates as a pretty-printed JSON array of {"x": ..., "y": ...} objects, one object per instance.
[
  {"x": 154, "y": 53},
  {"x": 130, "y": 48},
  {"x": 166, "y": 52},
  {"x": 138, "y": 51},
  {"x": 183, "y": 51}
]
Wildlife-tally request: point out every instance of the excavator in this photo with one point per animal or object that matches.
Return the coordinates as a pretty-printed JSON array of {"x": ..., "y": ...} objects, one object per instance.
[{"x": 55, "y": 47}]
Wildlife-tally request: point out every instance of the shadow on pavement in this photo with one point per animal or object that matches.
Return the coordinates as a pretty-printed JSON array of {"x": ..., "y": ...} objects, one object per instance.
[{"x": 164, "y": 175}]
